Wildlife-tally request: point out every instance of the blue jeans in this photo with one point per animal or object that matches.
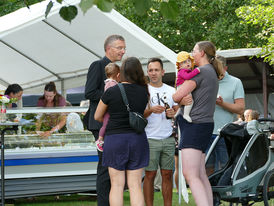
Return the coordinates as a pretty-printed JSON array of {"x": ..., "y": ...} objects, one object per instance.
[{"x": 219, "y": 154}]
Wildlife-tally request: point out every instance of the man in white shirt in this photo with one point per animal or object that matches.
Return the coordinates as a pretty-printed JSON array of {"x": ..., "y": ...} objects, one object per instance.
[{"x": 159, "y": 113}]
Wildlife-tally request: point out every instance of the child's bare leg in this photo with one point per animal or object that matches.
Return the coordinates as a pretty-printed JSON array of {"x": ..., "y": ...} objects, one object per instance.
[
  {"x": 99, "y": 143},
  {"x": 100, "y": 138},
  {"x": 187, "y": 110}
]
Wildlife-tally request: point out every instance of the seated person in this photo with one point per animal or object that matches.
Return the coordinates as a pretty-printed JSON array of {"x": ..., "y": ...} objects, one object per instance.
[
  {"x": 254, "y": 115},
  {"x": 14, "y": 91},
  {"x": 52, "y": 122}
]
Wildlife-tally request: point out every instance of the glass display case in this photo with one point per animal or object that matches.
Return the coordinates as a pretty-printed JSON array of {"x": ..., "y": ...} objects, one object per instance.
[{"x": 63, "y": 162}]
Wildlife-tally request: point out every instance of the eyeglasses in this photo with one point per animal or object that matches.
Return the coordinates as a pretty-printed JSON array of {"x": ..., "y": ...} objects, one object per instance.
[{"x": 119, "y": 48}]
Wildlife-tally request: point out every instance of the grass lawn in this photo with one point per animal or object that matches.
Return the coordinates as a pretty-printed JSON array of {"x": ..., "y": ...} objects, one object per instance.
[{"x": 87, "y": 200}]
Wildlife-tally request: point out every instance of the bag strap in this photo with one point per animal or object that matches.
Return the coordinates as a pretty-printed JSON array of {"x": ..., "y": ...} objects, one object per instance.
[{"x": 124, "y": 96}]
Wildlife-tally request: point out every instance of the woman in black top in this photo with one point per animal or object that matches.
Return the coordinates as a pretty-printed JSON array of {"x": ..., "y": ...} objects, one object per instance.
[{"x": 125, "y": 151}]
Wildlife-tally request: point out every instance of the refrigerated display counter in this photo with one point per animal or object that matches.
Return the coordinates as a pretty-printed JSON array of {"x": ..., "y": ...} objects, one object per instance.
[{"x": 64, "y": 162}]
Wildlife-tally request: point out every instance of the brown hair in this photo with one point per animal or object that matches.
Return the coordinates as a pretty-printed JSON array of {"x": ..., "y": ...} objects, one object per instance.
[
  {"x": 221, "y": 59},
  {"x": 110, "y": 39},
  {"x": 112, "y": 70},
  {"x": 50, "y": 87},
  {"x": 155, "y": 59},
  {"x": 254, "y": 115},
  {"x": 210, "y": 51},
  {"x": 132, "y": 71}
]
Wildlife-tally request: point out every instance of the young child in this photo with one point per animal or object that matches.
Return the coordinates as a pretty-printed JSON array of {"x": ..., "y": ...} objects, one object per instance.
[
  {"x": 185, "y": 66},
  {"x": 113, "y": 77}
]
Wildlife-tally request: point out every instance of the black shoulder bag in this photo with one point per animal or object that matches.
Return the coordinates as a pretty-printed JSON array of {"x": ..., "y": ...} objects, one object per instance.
[{"x": 136, "y": 120}]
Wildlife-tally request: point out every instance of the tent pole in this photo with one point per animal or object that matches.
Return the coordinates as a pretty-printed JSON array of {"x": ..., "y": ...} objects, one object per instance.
[
  {"x": 265, "y": 92},
  {"x": 63, "y": 91}
]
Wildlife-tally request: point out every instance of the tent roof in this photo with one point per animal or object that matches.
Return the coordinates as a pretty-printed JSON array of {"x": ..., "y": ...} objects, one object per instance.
[{"x": 35, "y": 50}]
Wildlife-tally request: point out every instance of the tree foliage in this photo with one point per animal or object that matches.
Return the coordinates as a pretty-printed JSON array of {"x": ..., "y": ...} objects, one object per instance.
[
  {"x": 8, "y": 6},
  {"x": 197, "y": 20},
  {"x": 177, "y": 24},
  {"x": 167, "y": 7},
  {"x": 261, "y": 12}
]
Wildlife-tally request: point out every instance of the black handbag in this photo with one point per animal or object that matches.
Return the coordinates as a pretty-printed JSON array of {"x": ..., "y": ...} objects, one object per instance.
[{"x": 136, "y": 120}]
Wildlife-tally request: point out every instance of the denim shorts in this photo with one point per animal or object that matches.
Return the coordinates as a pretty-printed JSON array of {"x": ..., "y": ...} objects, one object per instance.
[
  {"x": 161, "y": 154},
  {"x": 195, "y": 135},
  {"x": 129, "y": 151}
]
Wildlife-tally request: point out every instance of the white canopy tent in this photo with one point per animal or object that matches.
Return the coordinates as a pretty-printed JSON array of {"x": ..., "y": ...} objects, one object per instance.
[{"x": 35, "y": 50}]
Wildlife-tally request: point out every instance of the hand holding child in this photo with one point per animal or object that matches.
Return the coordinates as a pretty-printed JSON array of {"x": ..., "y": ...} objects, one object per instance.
[{"x": 187, "y": 100}]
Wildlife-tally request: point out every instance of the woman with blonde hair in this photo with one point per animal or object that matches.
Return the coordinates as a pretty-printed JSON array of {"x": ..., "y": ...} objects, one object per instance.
[{"x": 195, "y": 135}]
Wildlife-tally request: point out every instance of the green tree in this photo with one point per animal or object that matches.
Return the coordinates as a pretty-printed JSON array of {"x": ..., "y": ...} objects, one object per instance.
[
  {"x": 213, "y": 20},
  {"x": 8, "y": 6},
  {"x": 261, "y": 13},
  {"x": 177, "y": 24}
]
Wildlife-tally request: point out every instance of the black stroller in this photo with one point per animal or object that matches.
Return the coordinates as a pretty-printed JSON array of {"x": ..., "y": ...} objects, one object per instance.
[{"x": 248, "y": 174}]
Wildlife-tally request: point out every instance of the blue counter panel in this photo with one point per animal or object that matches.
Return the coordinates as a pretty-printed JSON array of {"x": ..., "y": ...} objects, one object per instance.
[{"x": 50, "y": 160}]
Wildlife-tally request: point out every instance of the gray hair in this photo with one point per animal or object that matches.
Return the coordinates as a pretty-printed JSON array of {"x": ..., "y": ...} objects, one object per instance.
[{"x": 110, "y": 39}]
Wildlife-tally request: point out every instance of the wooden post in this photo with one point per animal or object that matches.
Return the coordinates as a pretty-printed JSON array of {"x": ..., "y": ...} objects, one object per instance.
[{"x": 265, "y": 92}]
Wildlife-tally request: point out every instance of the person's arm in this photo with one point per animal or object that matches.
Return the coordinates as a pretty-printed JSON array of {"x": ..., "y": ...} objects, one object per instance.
[
  {"x": 187, "y": 100},
  {"x": 237, "y": 107},
  {"x": 59, "y": 126},
  {"x": 38, "y": 124},
  {"x": 186, "y": 88},
  {"x": 94, "y": 80},
  {"x": 100, "y": 111},
  {"x": 61, "y": 122},
  {"x": 176, "y": 107},
  {"x": 187, "y": 74}
]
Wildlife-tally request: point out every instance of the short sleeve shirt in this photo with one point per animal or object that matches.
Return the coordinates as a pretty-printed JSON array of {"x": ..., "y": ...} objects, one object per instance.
[
  {"x": 204, "y": 95},
  {"x": 62, "y": 102},
  {"x": 159, "y": 127},
  {"x": 119, "y": 117},
  {"x": 230, "y": 88}
]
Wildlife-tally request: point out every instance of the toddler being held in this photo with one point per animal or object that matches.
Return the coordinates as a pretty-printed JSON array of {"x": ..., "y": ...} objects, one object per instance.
[
  {"x": 112, "y": 71},
  {"x": 186, "y": 71}
]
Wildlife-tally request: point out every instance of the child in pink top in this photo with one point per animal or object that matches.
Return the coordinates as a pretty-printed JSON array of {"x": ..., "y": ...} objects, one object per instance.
[
  {"x": 186, "y": 71},
  {"x": 112, "y": 71}
]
